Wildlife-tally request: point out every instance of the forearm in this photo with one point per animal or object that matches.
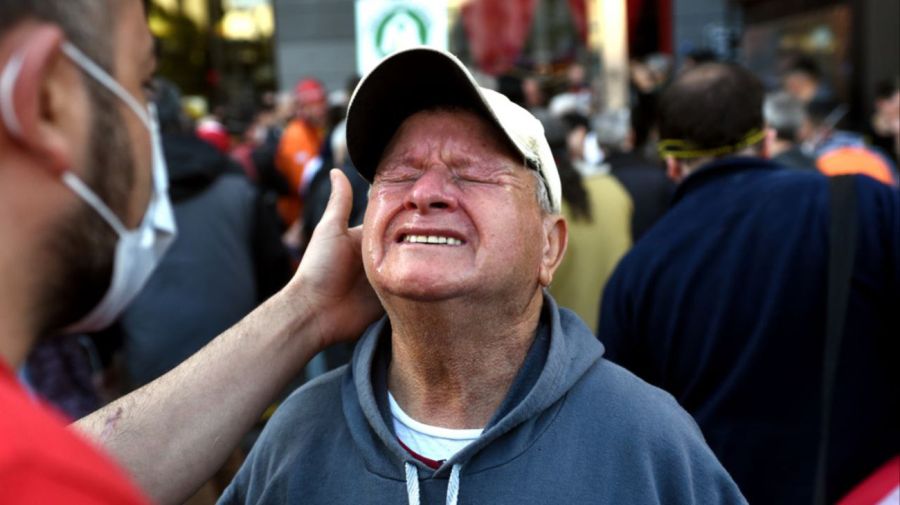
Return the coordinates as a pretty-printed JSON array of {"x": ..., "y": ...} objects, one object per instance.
[{"x": 174, "y": 433}]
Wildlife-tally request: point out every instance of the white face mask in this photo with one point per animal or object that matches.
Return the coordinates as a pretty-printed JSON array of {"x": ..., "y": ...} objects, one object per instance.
[{"x": 138, "y": 251}]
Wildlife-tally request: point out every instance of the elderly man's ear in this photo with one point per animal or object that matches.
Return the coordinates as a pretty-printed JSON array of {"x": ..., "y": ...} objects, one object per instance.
[
  {"x": 556, "y": 238},
  {"x": 41, "y": 99}
]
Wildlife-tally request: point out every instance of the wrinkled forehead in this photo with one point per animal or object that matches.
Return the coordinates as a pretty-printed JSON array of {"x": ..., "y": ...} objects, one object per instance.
[{"x": 465, "y": 130}]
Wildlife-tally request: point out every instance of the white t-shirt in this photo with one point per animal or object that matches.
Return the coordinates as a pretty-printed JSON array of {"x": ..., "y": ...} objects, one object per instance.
[{"x": 433, "y": 442}]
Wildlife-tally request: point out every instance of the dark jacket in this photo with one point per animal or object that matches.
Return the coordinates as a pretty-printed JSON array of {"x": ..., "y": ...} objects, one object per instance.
[
  {"x": 215, "y": 270},
  {"x": 647, "y": 184},
  {"x": 795, "y": 158},
  {"x": 574, "y": 428},
  {"x": 722, "y": 304}
]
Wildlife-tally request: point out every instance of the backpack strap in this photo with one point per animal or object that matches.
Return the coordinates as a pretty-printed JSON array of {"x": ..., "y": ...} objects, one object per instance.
[{"x": 841, "y": 254}]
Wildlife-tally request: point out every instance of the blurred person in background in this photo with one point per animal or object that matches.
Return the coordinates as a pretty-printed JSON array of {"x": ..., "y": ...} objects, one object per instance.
[
  {"x": 224, "y": 227},
  {"x": 884, "y": 127},
  {"x": 723, "y": 302},
  {"x": 300, "y": 144},
  {"x": 577, "y": 96},
  {"x": 582, "y": 146},
  {"x": 598, "y": 212},
  {"x": 333, "y": 154},
  {"x": 252, "y": 138},
  {"x": 84, "y": 219},
  {"x": 838, "y": 152},
  {"x": 211, "y": 130},
  {"x": 804, "y": 81},
  {"x": 648, "y": 187},
  {"x": 277, "y": 110},
  {"x": 535, "y": 95},
  {"x": 786, "y": 115},
  {"x": 660, "y": 66},
  {"x": 697, "y": 57}
]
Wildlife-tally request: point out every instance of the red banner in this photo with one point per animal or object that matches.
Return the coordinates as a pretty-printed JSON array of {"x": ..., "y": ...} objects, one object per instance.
[{"x": 497, "y": 31}]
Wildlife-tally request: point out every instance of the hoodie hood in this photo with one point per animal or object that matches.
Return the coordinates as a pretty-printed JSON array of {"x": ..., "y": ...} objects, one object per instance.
[
  {"x": 563, "y": 350},
  {"x": 193, "y": 165},
  {"x": 573, "y": 428}
]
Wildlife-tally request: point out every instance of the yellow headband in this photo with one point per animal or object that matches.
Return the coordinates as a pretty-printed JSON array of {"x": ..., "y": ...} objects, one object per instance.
[{"x": 682, "y": 149}]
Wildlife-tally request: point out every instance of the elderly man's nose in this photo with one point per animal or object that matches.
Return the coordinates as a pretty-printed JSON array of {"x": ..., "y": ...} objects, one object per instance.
[{"x": 434, "y": 190}]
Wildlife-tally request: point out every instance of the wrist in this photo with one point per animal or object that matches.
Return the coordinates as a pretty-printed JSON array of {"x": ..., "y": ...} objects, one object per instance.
[{"x": 293, "y": 322}]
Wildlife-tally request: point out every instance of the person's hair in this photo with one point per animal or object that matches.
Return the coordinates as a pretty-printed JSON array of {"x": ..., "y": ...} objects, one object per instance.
[
  {"x": 807, "y": 66},
  {"x": 885, "y": 89},
  {"x": 86, "y": 23},
  {"x": 573, "y": 190},
  {"x": 702, "y": 55},
  {"x": 643, "y": 118},
  {"x": 612, "y": 128},
  {"x": 541, "y": 193},
  {"x": 819, "y": 112},
  {"x": 785, "y": 114},
  {"x": 169, "y": 112},
  {"x": 711, "y": 105},
  {"x": 510, "y": 85}
]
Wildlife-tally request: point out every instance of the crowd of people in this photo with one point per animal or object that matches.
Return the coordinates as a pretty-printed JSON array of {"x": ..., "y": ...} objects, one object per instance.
[{"x": 691, "y": 299}]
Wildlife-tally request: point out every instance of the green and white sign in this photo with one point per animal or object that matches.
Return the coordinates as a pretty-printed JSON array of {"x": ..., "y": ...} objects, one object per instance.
[{"x": 386, "y": 26}]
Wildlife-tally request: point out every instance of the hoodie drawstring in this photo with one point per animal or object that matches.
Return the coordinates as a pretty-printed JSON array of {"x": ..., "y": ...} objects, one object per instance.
[
  {"x": 412, "y": 484},
  {"x": 453, "y": 485}
]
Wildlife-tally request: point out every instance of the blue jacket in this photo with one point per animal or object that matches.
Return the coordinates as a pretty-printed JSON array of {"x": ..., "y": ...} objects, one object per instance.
[
  {"x": 574, "y": 428},
  {"x": 722, "y": 303}
]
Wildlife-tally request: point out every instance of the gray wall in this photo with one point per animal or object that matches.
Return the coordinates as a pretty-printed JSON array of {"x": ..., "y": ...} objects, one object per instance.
[
  {"x": 706, "y": 24},
  {"x": 315, "y": 38}
]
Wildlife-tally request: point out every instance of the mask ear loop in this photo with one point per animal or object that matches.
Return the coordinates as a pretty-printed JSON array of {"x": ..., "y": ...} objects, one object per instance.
[
  {"x": 91, "y": 198},
  {"x": 104, "y": 78},
  {"x": 7, "y": 89}
]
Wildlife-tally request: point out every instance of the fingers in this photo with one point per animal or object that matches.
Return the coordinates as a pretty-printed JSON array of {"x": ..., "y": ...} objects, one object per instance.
[
  {"x": 355, "y": 235},
  {"x": 337, "y": 212}
]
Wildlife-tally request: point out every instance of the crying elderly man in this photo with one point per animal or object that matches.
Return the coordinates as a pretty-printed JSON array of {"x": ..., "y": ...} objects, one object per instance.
[{"x": 476, "y": 387}]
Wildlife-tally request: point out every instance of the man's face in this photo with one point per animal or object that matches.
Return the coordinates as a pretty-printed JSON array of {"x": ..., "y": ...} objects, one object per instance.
[
  {"x": 135, "y": 64},
  {"x": 800, "y": 85},
  {"x": 117, "y": 165},
  {"x": 452, "y": 213},
  {"x": 315, "y": 112},
  {"x": 888, "y": 110}
]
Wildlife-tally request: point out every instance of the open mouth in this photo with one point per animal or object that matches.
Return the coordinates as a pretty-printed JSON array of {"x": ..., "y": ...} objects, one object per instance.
[{"x": 430, "y": 239}]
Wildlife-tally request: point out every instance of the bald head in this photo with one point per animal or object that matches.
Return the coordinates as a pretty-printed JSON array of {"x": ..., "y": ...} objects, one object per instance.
[{"x": 711, "y": 105}]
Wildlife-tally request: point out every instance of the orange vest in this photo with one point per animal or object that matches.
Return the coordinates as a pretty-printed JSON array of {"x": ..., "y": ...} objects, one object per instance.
[
  {"x": 299, "y": 144},
  {"x": 855, "y": 160}
]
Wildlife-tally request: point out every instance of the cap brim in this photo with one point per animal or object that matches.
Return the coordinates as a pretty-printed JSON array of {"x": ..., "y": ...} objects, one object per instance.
[{"x": 401, "y": 85}]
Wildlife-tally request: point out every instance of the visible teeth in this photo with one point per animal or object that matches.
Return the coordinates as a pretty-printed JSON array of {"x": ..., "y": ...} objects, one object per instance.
[{"x": 431, "y": 239}]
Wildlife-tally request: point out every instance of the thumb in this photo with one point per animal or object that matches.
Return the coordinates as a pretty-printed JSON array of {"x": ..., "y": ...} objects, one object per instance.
[{"x": 337, "y": 212}]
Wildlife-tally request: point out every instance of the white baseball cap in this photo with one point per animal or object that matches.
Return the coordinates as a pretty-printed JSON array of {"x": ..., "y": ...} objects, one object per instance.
[{"x": 420, "y": 78}]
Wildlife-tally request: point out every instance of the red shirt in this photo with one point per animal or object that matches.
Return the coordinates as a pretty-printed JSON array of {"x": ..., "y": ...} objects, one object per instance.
[{"x": 41, "y": 461}]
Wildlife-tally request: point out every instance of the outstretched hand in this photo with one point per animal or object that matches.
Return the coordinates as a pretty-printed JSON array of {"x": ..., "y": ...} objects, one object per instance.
[{"x": 330, "y": 281}]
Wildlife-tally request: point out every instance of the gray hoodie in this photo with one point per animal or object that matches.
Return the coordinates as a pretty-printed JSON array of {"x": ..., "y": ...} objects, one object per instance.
[{"x": 574, "y": 428}]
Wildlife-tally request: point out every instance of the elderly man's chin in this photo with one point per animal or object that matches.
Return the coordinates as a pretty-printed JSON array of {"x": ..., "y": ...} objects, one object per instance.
[{"x": 432, "y": 286}]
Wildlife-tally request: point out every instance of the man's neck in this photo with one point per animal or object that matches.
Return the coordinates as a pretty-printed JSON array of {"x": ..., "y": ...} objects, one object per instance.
[
  {"x": 779, "y": 146},
  {"x": 16, "y": 337},
  {"x": 17, "y": 333},
  {"x": 453, "y": 363}
]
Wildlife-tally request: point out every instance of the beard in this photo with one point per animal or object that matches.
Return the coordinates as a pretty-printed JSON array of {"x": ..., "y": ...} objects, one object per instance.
[{"x": 83, "y": 245}]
